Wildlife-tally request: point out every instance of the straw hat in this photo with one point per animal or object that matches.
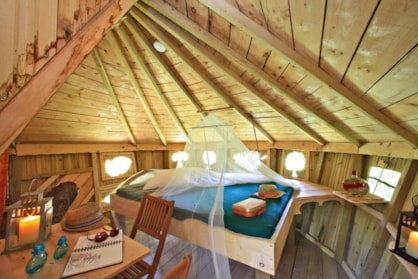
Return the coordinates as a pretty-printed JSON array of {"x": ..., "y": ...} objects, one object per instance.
[
  {"x": 84, "y": 217},
  {"x": 268, "y": 191}
]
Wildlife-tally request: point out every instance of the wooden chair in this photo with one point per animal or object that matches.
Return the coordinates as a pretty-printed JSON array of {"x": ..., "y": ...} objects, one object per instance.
[
  {"x": 153, "y": 218},
  {"x": 181, "y": 270}
]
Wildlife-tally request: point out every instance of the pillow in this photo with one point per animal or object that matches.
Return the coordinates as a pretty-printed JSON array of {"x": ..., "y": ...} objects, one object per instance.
[{"x": 159, "y": 180}]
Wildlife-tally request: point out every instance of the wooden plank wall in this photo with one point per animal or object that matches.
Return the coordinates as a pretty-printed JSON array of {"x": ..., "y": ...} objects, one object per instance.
[
  {"x": 49, "y": 170},
  {"x": 45, "y": 168},
  {"x": 320, "y": 223},
  {"x": 41, "y": 33}
]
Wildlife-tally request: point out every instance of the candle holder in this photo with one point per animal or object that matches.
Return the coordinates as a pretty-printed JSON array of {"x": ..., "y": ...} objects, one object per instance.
[
  {"x": 408, "y": 228},
  {"x": 29, "y": 221}
]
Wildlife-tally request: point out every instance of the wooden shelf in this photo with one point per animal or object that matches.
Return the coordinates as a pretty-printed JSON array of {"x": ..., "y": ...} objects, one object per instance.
[
  {"x": 410, "y": 267},
  {"x": 368, "y": 198}
]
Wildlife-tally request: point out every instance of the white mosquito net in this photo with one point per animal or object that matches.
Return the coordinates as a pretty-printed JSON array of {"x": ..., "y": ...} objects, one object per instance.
[{"x": 216, "y": 157}]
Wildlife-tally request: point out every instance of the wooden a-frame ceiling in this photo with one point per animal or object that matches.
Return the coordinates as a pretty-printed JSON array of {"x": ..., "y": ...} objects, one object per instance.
[{"x": 322, "y": 72}]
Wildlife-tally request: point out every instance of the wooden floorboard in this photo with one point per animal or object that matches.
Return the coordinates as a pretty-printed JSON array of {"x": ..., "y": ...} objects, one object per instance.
[{"x": 301, "y": 259}]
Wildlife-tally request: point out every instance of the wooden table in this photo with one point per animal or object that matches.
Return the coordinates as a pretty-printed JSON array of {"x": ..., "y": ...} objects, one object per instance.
[{"x": 13, "y": 265}]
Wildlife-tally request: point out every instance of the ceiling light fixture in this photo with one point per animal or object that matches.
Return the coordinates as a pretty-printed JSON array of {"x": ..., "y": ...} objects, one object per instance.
[{"x": 159, "y": 47}]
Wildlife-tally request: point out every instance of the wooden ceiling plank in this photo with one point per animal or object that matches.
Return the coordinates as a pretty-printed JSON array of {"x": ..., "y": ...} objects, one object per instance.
[
  {"x": 69, "y": 22},
  {"x": 46, "y": 29},
  {"x": 239, "y": 41},
  {"x": 258, "y": 53},
  {"x": 194, "y": 68},
  {"x": 223, "y": 67},
  {"x": 262, "y": 75},
  {"x": 278, "y": 19},
  {"x": 219, "y": 27},
  {"x": 149, "y": 76},
  {"x": 25, "y": 41},
  {"x": 132, "y": 78},
  {"x": 112, "y": 94},
  {"x": 392, "y": 33},
  {"x": 58, "y": 69},
  {"x": 227, "y": 52},
  {"x": 198, "y": 13},
  {"x": 145, "y": 42},
  {"x": 307, "y": 21},
  {"x": 398, "y": 84},
  {"x": 253, "y": 10},
  {"x": 338, "y": 47},
  {"x": 238, "y": 19},
  {"x": 7, "y": 87},
  {"x": 179, "y": 5}
]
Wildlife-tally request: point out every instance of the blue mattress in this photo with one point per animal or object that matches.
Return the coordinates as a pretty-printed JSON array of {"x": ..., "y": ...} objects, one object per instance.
[{"x": 188, "y": 205}]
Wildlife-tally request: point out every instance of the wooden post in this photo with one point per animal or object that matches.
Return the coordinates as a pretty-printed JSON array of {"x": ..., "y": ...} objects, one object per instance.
[
  {"x": 391, "y": 215},
  {"x": 4, "y": 167}
]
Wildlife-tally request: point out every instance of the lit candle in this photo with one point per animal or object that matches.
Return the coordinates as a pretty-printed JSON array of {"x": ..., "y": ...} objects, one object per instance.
[
  {"x": 412, "y": 245},
  {"x": 29, "y": 229}
]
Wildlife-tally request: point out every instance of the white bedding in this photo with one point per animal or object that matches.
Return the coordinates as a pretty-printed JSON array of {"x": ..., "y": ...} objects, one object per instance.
[{"x": 174, "y": 181}]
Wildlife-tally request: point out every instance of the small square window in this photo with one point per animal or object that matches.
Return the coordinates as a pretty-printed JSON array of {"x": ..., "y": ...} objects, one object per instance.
[{"x": 383, "y": 182}]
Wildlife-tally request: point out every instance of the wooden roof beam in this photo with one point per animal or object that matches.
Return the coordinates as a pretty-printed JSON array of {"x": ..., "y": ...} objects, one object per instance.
[
  {"x": 132, "y": 78},
  {"x": 215, "y": 43},
  {"x": 146, "y": 43},
  {"x": 231, "y": 14},
  {"x": 193, "y": 68},
  {"x": 149, "y": 76},
  {"x": 30, "y": 99},
  {"x": 112, "y": 94},
  {"x": 184, "y": 37}
]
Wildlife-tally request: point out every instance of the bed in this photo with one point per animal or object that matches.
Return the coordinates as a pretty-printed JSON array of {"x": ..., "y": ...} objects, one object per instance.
[{"x": 261, "y": 251}]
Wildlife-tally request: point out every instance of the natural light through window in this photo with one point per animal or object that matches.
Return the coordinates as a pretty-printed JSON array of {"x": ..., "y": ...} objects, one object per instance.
[
  {"x": 209, "y": 158},
  {"x": 248, "y": 160},
  {"x": 295, "y": 161},
  {"x": 118, "y": 165},
  {"x": 382, "y": 182},
  {"x": 179, "y": 157}
]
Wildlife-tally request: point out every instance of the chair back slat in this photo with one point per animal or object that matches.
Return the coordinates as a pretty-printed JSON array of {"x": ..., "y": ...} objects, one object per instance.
[{"x": 154, "y": 218}]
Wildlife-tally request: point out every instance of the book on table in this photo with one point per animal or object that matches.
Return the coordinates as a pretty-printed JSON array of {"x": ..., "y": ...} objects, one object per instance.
[{"x": 89, "y": 255}]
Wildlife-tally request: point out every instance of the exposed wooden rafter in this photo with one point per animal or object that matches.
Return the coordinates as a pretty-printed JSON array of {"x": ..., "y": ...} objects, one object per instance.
[
  {"x": 157, "y": 56},
  {"x": 300, "y": 70},
  {"x": 112, "y": 93},
  {"x": 238, "y": 19},
  {"x": 228, "y": 52},
  {"x": 149, "y": 76},
  {"x": 193, "y": 67},
  {"x": 133, "y": 79},
  {"x": 183, "y": 37},
  {"x": 57, "y": 69}
]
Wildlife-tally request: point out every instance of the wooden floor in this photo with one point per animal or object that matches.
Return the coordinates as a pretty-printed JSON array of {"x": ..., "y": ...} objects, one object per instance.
[{"x": 301, "y": 259}]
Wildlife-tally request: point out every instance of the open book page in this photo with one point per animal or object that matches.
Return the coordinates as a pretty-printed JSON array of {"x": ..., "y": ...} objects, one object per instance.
[{"x": 89, "y": 255}]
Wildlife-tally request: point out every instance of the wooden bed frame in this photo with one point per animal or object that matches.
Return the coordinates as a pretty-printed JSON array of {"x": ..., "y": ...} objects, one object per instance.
[{"x": 259, "y": 253}]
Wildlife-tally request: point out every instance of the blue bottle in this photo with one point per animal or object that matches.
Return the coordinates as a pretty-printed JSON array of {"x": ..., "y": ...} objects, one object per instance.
[
  {"x": 62, "y": 248},
  {"x": 38, "y": 260}
]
